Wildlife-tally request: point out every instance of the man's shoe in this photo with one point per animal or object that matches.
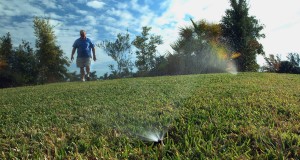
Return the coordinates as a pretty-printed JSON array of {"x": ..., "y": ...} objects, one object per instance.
[{"x": 88, "y": 78}]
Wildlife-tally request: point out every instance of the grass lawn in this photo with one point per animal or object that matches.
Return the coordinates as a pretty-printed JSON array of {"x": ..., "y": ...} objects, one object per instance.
[{"x": 208, "y": 116}]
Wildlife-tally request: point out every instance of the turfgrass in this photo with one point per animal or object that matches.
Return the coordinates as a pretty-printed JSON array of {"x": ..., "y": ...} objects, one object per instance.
[{"x": 211, "y": 116}]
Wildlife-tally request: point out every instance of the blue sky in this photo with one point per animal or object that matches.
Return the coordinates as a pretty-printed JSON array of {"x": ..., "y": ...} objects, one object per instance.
[{"x": 104, "y": 19}]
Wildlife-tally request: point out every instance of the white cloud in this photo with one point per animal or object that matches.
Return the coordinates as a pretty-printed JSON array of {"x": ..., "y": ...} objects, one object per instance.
[
  {"x": 124, "y": 15},
  {"x": 282, "y": 23},
  {"x": 70, "y": 5},
  {"x": 95, "y": 4},
  {"x": 81, "y": 1},
  {"x": 109, "y": 20},
  {"x": 135, "y": 6},
  {"x": 278, "y": 14},
  {"x": 53, "y": 15},
  {"x": 87, "y": 21},
  {"x": 122, "y": 5},
  {"x": 146, "y": 20},
  {"x": 15, "y": 8},
  {"x": 82, "y": 12},
  {"x": 112, "y": 31},
  {"x": 177, "y": 15},
  {"x": 91, "y": 20},
  {"x": 49, "y": 4},
  {"x": 21, "y": 31},
  {"x": 125, "y": 18}
]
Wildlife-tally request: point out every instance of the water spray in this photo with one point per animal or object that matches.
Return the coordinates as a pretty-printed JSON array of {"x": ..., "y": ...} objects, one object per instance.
[{"x": 156, "y": 137}]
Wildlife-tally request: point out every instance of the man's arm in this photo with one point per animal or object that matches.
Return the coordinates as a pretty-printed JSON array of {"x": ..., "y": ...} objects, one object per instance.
[
  {"x": 94, "y": 54},
  {"x": 73, "y": 52}
]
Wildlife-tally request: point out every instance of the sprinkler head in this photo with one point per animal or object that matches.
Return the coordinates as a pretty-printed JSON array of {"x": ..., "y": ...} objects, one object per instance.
[{"x": 159, "y": 142}]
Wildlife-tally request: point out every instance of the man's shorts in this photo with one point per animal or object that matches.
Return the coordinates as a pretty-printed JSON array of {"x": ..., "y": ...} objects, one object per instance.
[{"x": 83, "y": 62}]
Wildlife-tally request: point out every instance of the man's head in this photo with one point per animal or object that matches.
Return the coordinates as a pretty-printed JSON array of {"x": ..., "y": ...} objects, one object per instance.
[{"x": 82, "y": 34}]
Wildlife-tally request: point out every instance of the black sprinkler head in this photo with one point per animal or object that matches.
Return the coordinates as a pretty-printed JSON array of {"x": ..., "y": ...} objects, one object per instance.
[{"x": 159, "y": 142}]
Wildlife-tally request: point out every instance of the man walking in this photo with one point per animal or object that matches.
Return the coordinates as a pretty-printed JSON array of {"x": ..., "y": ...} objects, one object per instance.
[{"x": 84, "y": 46}]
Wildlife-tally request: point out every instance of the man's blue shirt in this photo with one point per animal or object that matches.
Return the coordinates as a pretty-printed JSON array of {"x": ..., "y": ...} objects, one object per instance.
[{"x": 84, "y": 47}]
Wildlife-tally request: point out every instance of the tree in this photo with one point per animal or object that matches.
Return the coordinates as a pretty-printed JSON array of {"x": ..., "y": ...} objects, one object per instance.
[
  {"x": 273, "y": 63},
  {"x": 93, "y": 76},
  {"x": 6, "y": 50},
  {"x": 146, "y": 45},
  {"x": 120, "y": 51},
  {"x": 24, "y": 64},
  {"x": 19, "y": 64},
  {"x": 291, "y": 65},
  {"x": 51, "y": 60},
  {"x": 160, "y": 67},
  {"x": 241, "y": 32},
  {"x": 199, "y": 49},
  {"x": 288, "y": 66},
  {"x": 294, "y": 58},
  {"x": 73, "y": 76}
]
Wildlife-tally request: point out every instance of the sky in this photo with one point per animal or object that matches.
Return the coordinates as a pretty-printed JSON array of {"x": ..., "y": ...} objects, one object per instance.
[{"x": 104, "y": 19}]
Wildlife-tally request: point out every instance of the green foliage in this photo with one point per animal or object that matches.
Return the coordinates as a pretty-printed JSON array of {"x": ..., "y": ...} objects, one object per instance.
[
  {"x": 289, "y": 66},
  {"x": 25, "y": 64},
  {"x": 6, "y": 76},
  {"x": 73, "y": 76},
  {"x": 120, "y": 51},
  {"x": 160, "y": 68},
  {"x": 241, "y": 32},
  {"x": 5, "y": 51},
  {"x": 51, "y": 60},
  {"x": 146, "y": 50},
  {"x": 93, "y": 76},
  {"x": 198, "y": 50},
  {"x": 208, "y": 116},
  {"x": 18, "y": 64},
  {"x": 273, "y": 63},
  {"x": 294, "y": 58}
]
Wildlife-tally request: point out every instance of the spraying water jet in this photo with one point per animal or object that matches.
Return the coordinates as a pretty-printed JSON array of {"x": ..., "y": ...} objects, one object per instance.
[{"x": 156, "y": 137}]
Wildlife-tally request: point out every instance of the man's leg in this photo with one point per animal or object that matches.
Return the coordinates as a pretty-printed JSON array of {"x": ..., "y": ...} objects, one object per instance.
[
  {"x": 87, "y": 68},
  {"x": 82, "y": 73}
]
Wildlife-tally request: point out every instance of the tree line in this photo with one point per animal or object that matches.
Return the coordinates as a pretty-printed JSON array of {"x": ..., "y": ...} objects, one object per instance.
[
  {"x": 25, "y": 66},
  {"x": 202, "y": 47},
  {"x": 277, "y": 65}
]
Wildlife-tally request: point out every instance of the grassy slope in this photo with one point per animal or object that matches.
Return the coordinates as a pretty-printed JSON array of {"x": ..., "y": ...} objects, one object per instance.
[{"x": 249, "y": 115}]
